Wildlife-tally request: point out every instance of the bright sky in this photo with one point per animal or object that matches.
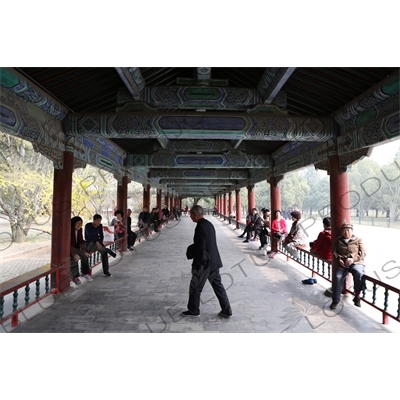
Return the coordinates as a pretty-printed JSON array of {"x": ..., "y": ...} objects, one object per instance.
[{"x": 384, "y": 153}]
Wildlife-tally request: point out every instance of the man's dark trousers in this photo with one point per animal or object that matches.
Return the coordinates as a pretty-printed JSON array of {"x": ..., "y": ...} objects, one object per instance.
[{"x": 199, "y": 279}]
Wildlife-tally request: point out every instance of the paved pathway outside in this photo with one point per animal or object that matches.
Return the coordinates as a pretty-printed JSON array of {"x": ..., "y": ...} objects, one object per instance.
[{"x": 149, "y": 289}]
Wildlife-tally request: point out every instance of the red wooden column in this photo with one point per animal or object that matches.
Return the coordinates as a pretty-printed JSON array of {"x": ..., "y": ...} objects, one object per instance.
[
  {"x": 340, "y": 204},
  {"x": 159, "y": 201},
  {"x": 224, "y": 205},
  {"x": 238, "y": 208},
  {"x": 146, "y": 196},
  {"x": 166, "y": 198},
  {"x": 230, "y": 206},
  {"x": 251, "y": 197},
  {"x": 275, "y": 204},
  {"x": 61, "y": 223},
  {"x": 159, "y": 198},
  {"x": 122, "y": 204}
]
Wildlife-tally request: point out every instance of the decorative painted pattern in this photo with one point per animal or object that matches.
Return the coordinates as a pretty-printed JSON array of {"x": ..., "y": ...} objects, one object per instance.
[
  {"x": 97, "y": 152},
  {"x": 269, "y": 75},
  {"x": 134, "y": 82},
  {"x": 372, "y": 133},
  {"x": 209, "y": 98},
  {"x": 188, "y": 182},
  {"x": 196, "y": 174},
  {"x": 371, "y": 105},
  {"x": 235, "y": 159},
  {"x": 203, "y": 73},
  {"x": 200, "y": 126},
  {"x": 205, "y": 146},
  {"x": 137, "y": 77},
  {"x": 20, "y": 118},
  {"x": 11, "y": 80},
  {"x": 300, "y": 156}
]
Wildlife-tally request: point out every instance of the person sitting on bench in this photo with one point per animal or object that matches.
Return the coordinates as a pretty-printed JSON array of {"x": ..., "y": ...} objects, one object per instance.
[
  {"x": 132, "y": 236},
  {"x": 253, "y": 225},
  {"x": 264, "y": 228},
  {"x": 144, "y": 218},
  {"x": 155, "y": 218},
  {"x": 322, "y": 247},
  {"x": 78, "y": 252},
  {"x": 94, "y": 237},
  {"x": 296, "y": 237}
]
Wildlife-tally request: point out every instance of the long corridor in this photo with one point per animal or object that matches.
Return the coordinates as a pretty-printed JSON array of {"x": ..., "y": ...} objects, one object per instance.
[{"x": 148, "y": 291}]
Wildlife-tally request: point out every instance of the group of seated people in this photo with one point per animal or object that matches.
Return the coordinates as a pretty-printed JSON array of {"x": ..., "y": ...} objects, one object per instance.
[
  {"x": 348, "y": 249},
  {"x": 261, "y": 227},
  {"x": 155, "y": 217},
  {"x": 257, "y": 225},
  {"x": 82, "y": 247}
]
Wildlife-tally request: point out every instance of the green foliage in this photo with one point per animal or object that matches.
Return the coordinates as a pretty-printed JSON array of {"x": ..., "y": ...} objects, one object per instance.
[
  {"x": 263, "y": 195},
  {"x": 294, "y": 189},
  {"x": 388, "y": 197},
  {"x": 93, "y": 192},
  {"x": 318, "y": 196}
]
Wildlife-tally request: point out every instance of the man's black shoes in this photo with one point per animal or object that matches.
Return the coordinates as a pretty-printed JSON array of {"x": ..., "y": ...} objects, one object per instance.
[
  {"x": 221, "y": 314},
  {"x": 333, "y": 306},
  {"x": 190, "y": 314},
  {"x": 357, "y": 301}
]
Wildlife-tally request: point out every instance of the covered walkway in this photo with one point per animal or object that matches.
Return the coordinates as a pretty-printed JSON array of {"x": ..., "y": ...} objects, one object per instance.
[{"x": 149, "y": 289}]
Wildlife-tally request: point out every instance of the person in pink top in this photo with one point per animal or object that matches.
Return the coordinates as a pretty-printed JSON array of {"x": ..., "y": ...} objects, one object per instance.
[{"x": 278, "y": 229}]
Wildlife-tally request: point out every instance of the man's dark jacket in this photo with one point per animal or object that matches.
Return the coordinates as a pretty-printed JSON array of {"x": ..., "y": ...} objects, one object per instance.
[{"x": 204, "y": 250}]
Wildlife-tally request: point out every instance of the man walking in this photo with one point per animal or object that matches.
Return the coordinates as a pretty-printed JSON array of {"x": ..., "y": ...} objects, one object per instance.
[{"x": 205, "y": 266}]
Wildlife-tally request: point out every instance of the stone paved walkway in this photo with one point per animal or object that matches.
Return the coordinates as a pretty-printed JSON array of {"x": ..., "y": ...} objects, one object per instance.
[{"x": 149, "y": 289}]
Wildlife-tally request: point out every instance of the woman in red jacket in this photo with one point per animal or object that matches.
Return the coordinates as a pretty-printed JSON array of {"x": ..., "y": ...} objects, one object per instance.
[
  {"x": 278, "y": 229},
  {"x": 322, "y": 247}
]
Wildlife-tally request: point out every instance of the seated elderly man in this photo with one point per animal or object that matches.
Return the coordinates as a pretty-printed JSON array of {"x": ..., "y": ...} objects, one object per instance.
[
  {"x": 350, "y": 252},
  {"x": 253, "y": 224}
]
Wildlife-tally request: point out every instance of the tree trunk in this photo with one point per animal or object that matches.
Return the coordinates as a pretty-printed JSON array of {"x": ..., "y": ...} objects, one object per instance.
[{"x": 17, "y": 233}]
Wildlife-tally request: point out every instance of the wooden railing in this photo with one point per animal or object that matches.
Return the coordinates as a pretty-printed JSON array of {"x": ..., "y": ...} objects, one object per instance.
[
  {"x": 15, "y": 294},
  {"x": 377, "y": 293}
]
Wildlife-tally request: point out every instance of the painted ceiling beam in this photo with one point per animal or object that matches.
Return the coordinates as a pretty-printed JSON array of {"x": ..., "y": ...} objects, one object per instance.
[
  {"x": 190, "y": 183},
  {"x": 164, "y": 159},
  {"x": 203, "y": 73},
  {"x": 198, "y": 97},
  {"x": 272, "y": 81},
  {"x": 238, "y": 174},
  {"x": 133, "y": 80},
  {"x": 380, "y": 100},
  {"x": 192, "y": 125},
  {"x": 201, "y": 146},
  {"x": 12, "y": 80}
]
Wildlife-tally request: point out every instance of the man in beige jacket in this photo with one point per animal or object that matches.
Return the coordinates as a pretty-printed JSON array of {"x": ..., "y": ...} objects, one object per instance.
[{"x": 350, "y": 252}]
